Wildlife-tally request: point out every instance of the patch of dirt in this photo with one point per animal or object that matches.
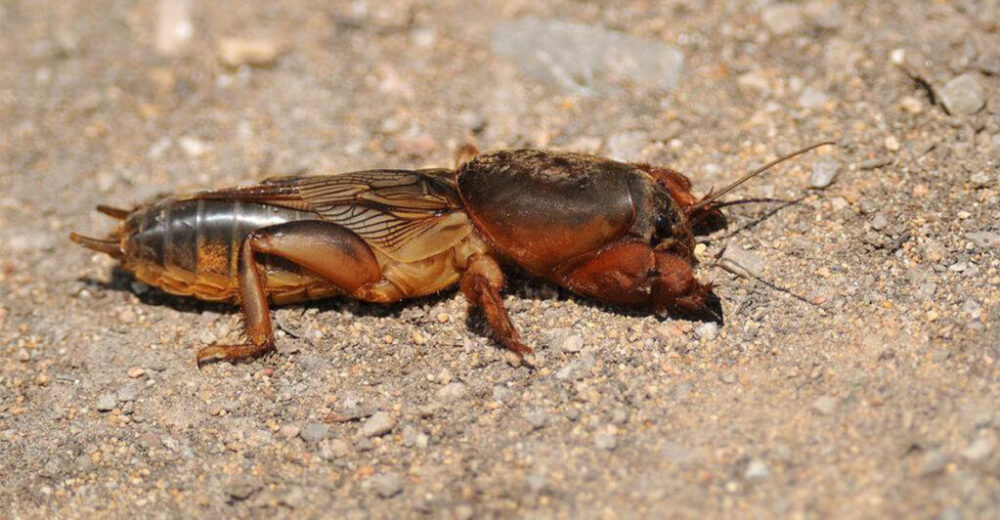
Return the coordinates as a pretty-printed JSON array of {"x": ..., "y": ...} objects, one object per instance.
[{"x": 857, "y": 376}]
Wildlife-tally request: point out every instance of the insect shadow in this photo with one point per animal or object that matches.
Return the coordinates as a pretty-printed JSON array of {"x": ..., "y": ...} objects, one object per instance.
[
  {"x": 122, "y": 281},
  {"x": 520, "y": 284}
]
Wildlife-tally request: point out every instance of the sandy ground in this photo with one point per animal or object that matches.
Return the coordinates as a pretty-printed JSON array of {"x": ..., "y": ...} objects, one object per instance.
[{"x": 867, "y": 388}]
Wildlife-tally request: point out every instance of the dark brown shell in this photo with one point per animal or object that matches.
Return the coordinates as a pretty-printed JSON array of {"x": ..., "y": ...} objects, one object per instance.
[{"x": 543, "y": 209}]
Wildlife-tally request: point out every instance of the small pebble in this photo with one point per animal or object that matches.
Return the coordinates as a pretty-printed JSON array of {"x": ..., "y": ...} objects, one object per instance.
[
  {"x": 173, "y": 26},
  {"x": 170, "y": 443},
  {"x": 378, "y": 425},
  {"x": 911, "y": 104},
  {"x": 295, "y": 498},
  {"x": 193, "y": 147},
  {"x": 314, "y": 432},
  {"x": 728, "y": 378},
  {"x": 127, "y": 316},
  {"x": 471, "y": 120},
  {"x": 537, "y": 419},
  {"x": 868, "y": 206},
  {"x": 234, "y": 52},
  {"x": 106, "y": 402},
  {"x": 128, "y": 392},
  {"x": 783, "y": 18},
  {"x": 206, "y": 337},
  {"x": 933, "y": 463},
  {"x": 23, "y": 355},
  {"x": 878, "y": 162},
  {"x": 605, "y": 441},
  {"x": 978, "y": 450},
  {"x": 825, "y": 15},
  {"x": 387, "y": 485},
  {"x": 242, "y": 488},
  {"x": 754, "y": 81},
  {"x": 898, "y": 56},
  {"x": 136, "y": 372},
  {"x": 824, "y": 172},
  {"x": 451, "y": 392},
  {"x": 410, "y": 435},
  {"x": 339, "y": 448},
  {"x": 879, "y": 222},
  {"x": 934, "y": 250},
  {"x": 464, "y": 512},
  {"x": 980, "y": 180},
  {"x": 573, "y": 343},
  {"x": 891, "y": 143},
  {"x": 963, "y": 96},
  {"x": 756, "y": 469},
  {"x": 825, "y": 405},
  {"x": 707, "y": 331},
  {"x": 813, "y": 99},
  {"x": 743, "y": 261}
]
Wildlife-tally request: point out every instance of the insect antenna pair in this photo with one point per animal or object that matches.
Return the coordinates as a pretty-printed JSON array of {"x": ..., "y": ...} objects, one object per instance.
[{"x": 710, "y": 205}]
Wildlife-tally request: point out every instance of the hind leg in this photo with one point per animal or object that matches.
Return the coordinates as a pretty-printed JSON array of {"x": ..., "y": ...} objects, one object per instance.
[{"x": 327, "y": 249}]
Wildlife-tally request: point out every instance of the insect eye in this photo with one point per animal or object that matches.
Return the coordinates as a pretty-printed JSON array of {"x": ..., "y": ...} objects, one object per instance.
[{"x": 664, "y": 226}]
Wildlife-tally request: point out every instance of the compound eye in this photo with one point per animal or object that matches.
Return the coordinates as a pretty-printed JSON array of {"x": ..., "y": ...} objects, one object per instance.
[{"x": 664, "y": 226}]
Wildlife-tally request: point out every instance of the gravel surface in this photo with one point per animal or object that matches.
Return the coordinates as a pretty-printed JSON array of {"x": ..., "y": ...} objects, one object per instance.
[{"x": 855, "y": 371}]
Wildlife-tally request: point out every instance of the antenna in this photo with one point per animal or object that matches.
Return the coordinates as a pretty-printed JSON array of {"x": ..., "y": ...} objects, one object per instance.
[{"x": 712, "y": 197}]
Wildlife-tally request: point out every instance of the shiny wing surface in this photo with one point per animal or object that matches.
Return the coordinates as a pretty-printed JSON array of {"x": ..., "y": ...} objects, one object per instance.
[{"x": 407, "y": 214}]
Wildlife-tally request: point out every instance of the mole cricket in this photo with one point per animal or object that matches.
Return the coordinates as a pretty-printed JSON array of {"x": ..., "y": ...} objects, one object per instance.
[{"x": 622, "y": 233}]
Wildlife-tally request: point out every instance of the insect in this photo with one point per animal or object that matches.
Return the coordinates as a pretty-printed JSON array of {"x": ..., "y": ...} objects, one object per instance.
[{"x": 619, "y": 232}]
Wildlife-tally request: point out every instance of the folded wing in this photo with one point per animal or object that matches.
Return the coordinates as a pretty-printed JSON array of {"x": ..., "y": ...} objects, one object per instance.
[{"x": 406, "y": 214}]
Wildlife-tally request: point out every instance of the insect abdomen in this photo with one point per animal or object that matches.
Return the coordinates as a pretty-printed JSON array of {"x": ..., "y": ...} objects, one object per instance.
[{"x": 191, "y": 247}]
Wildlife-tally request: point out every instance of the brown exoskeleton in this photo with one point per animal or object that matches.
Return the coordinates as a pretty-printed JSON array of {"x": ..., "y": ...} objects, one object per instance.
[{"x": 618, "y": 232}]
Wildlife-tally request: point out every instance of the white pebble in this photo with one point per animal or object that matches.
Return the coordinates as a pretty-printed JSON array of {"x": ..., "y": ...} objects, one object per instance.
[
  {"x": 756, "y": 469},
  {"x": 378, "y": 425},
  {"x": 707, "y": 331},
  {"x": 387, "y": 485},
  {"x": 234, "y": 52}
]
